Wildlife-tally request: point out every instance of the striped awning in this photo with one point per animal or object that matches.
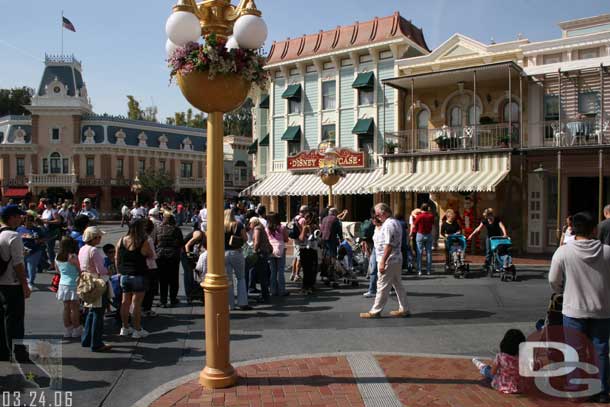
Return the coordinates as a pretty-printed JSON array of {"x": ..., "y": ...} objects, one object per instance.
[
  {"x": 398, "y": 171},
  {"x": 275, "y": 184},
  {"x": 446, "y": 174},
  {"x": 290, "y": 184}
]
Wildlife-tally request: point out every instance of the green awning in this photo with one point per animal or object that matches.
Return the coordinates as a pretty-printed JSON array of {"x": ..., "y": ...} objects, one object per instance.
[
  {"x": 364, "y": 80},
  {"x": 253, "y": 148},
  {"x": 292, "y": 92},
  {"x": 292, "y": 133},
  {"x": 264, "y": 142},
  {"x": 364, "y": 127},
  {"x": 264, "y": 104}
]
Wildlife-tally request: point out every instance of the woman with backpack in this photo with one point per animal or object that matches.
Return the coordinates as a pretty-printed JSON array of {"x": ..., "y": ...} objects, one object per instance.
[
  {"x": 235, "y": 237},
  {"x": 278, "y": 237},
  {"x": 259, "y": 259},
  {"x": 309, "y": 241}
]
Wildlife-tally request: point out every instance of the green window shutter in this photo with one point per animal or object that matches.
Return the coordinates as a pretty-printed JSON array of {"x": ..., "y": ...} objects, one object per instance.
[
  {"x": 292, "y": 92},
  {"x": 364, "y": 80},
  {"x": 364, "y": 127},
  {"x": 292, "y": 133}
]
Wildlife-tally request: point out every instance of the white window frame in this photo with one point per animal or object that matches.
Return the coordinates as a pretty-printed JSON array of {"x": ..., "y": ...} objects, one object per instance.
[
  {"x": 52, "y": 140},
  {"x": 361, "y": 99},
  {"x": 326, "y": 97}
]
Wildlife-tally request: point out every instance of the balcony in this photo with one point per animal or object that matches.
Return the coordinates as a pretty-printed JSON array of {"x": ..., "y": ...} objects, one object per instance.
[
  {"x": 570, "y": 132},
  {"x": 53, "y": 180},
  {"x": 467, "y": 138},
  {"x": 17, "y": 181}
]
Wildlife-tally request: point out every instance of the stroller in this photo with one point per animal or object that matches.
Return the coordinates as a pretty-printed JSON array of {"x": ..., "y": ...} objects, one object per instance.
[
  {"x": 502, "y": 260},
  {"x": 456, "y": 247}
]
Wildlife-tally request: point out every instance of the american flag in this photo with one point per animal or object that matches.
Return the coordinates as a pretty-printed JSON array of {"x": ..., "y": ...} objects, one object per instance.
[{"x": 68, "y": 24}]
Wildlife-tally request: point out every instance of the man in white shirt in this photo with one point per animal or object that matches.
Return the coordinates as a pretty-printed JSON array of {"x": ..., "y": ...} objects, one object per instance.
[
  {"x": 124, "y": 214},
  {"x": 388, "y": 241},
  {"x": 203, "y": 219},
  {"x": 13, "y": 282}
]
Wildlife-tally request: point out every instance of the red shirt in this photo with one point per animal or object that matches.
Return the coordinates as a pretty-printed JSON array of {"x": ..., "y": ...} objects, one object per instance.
[{"x": 423, "y": 223}]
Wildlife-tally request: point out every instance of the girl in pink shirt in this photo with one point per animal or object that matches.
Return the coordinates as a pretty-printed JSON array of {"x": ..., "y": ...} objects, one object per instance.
[{"x": 504, "y": 370}]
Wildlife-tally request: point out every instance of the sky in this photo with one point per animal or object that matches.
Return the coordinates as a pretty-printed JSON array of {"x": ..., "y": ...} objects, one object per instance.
[{"x": 121, "y": 43}]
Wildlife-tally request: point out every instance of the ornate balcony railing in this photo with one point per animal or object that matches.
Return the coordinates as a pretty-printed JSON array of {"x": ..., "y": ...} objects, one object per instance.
[
  {"x": 194, "y": 183},
  {"x": 570, "y": 132},
  {"x": 53, "y": 180},
  {"x": 467, "y": 138}
]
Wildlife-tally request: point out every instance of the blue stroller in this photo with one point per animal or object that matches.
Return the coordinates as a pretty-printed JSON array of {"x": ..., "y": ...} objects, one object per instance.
[
  {"x": 502, "y": 259},
  {"x": 456, "y": 247}
]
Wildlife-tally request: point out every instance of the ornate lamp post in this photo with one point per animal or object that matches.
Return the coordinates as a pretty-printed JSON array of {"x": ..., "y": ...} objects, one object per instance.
[
  {"x": 215, "y": 94},
  {"x": 136, "y": 188},
  {"x": 330, "y": 172}
]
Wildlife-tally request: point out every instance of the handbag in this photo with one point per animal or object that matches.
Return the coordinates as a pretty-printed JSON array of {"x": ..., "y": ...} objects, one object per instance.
[
  {"x": 235, "y": 242},
  {"x": 90, "y": 286}
]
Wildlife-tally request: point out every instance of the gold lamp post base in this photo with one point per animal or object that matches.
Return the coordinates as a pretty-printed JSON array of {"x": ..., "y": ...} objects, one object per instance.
[{"x": 218, "y": 379}]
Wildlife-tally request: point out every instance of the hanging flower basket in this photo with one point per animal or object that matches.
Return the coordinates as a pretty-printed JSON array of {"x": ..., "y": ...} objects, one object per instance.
[{"x": 213, "y": 78}]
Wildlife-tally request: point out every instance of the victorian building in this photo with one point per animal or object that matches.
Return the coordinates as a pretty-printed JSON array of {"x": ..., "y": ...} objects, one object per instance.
[
  {"x": 65, "y": 150},
  {"x": 327, "y": 87}
]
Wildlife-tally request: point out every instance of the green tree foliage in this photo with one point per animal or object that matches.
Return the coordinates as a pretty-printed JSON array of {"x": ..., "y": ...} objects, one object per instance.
[
  {"x": 135, "y": 112},
  {"x": 188, "y": 118},
  {"x": 12, "y": 101},
  {"x": 155, "y": 181},
  {"x": 239, "y": 121}
]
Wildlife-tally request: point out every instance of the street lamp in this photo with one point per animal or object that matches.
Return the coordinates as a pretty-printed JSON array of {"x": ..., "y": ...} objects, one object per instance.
[
  {"x": 136, "y": 188},
  {"x": 215, "y": 94},
  {"x": 330, "y": 172}
]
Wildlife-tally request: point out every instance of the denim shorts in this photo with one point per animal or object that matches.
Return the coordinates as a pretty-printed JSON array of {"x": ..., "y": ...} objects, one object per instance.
[{"x": 133, "y": 284}]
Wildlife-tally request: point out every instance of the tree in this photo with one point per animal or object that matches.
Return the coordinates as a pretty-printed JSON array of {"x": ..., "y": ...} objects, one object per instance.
[
  {"x": 239, "y": 121},
  {"x": 155, "y": 181},
  {"x": 135, "y": 112},
  {"x": 196, "y": 120},
  {"x": 12, "y": 101}
]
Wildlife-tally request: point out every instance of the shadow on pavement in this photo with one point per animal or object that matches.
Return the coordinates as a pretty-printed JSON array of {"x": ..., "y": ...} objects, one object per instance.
[{"x": 457, "y": 314}]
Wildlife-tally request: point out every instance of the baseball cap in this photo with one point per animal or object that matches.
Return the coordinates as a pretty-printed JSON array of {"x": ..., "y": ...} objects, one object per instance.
[{"x": 11, "y": 210}]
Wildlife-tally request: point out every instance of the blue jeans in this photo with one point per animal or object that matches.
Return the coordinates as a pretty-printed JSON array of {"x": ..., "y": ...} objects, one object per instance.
[
  {"x": 486, "y": 372},
  {"x": 189, "y": 282},
  {"x": 424, "y": 241},
  {"x": 31, "y": 263},
  {"x": 373, "y": 268},
  {"x": 598, "y": 331},
  {"x": 234, "y": 266},
  {"x": 94, "y": 329},
  {"x": 278, "y": 277}
]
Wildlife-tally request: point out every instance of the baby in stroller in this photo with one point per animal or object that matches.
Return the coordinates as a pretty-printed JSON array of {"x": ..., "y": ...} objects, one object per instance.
[
  {"x": 502, "y": 259},
  {"x": 344, "y": 266},
  {"x": 455, "y": 245}
]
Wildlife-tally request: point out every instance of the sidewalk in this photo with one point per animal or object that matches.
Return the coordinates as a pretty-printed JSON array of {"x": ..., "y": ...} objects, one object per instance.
[{"x": 350, "y": 380}]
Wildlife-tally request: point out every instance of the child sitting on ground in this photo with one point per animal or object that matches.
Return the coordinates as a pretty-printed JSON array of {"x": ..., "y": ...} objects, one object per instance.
[{"x": 503, "y": 373}]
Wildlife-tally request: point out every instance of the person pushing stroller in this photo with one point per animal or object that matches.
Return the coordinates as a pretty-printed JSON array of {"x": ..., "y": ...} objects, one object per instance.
[{"x": 495, "y": 228}]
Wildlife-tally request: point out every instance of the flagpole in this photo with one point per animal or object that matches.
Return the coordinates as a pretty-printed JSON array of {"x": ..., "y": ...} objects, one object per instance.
[{"x": 62, "y": 32}]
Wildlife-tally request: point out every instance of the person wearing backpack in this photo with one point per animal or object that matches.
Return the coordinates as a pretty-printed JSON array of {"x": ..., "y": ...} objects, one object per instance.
[
  {"x": 294, "y": 232},
  {"x": 14, "y": 287}
]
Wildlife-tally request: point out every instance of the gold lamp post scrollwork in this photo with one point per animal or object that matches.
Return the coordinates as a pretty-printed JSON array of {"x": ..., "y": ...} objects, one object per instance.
[
  {"x": 240, "y": 26},
  {"x": 136, "y": 188}
]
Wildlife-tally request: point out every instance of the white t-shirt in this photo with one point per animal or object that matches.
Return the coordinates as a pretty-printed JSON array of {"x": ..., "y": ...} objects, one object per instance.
[
  {"x": 124, "y": 210},
  {"x": 49, "y": 214},
  {"x": 11, "y": 246},
  {"x": 390, "y": 233}
]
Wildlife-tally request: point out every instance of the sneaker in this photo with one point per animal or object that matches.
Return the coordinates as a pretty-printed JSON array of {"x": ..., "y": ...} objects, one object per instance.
[
  {"x": 479, "y": 365},
  {"x": 77, "y": 332},
  {"x": 369, "y": 295},
  {"x": 400, "y": 314},
  {"x": 31, "y": 287},
  {"x": 419, "y": 274},
  {"x": 150, "y": 313},
  {"x": 68, "y": 333},
  {"x": 126, "y": 331},
  {"x": 369, "y": 315},
  {"x": 103, "y": 348},
  {"x": 142, "y": 333}
]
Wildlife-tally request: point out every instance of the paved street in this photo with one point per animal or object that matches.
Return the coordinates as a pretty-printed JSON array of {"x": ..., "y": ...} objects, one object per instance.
[{"x": 454, "y": 317}]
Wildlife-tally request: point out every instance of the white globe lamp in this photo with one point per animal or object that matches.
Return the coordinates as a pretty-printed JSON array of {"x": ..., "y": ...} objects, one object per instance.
[
  {"x": 183, "y": 27},
  {"x": 250, "y": 31},
  {"x": 231, "y": 44},
  {"x": 170, "y": 47}
]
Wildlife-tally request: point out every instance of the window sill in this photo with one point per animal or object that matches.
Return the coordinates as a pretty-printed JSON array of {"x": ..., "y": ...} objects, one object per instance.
[
  {"x": 368, "y": 105},
  {"x": 334, "y": 109}
]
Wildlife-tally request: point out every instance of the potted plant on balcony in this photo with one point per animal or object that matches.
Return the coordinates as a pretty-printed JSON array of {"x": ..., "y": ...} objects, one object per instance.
[
  {"x": 391, "y": 147},
  {"x": 442, "y": 139},
  {"x": 504, "y": 140}
]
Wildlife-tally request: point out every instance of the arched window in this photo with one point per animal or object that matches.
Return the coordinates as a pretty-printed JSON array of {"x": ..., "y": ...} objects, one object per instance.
[
  {"x": 474, "y": 115},
  {"x": 455, "y": 117},
  {"x": 423, "y": 120},
  {"x": 513, "y": 108},
  {"x": 55, "y": 164},
  {"x": 55, "y": 159}
]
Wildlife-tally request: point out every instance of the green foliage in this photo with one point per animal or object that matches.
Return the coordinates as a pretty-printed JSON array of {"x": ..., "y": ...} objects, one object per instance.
[
  {"x": 188, "y": 118},
  {"x": 155, "y": 181},
  {"x": 135, "y": 112},
  {"x": 239, "y": 121},
  {"x": 12, "y": 101}
]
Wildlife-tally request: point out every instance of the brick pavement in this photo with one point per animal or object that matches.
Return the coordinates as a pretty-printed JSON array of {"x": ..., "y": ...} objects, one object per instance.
[{"x": 329, "y": 381}]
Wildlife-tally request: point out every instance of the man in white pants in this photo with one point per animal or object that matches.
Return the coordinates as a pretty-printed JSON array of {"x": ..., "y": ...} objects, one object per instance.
[{"x": 389, "y": 264}]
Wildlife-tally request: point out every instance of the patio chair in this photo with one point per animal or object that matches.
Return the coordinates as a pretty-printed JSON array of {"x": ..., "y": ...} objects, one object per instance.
[
  {"x": 599, "y": 132},
  {"x": 559, "y": 134},
  {"x": 467, "y": 136}
]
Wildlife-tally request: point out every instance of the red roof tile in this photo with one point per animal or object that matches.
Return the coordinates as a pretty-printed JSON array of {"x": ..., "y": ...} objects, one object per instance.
[{"x": 350, "y": 36}]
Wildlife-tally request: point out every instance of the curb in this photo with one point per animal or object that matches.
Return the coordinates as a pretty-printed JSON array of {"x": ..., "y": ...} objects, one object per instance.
[{"x": 161, "y": 390}]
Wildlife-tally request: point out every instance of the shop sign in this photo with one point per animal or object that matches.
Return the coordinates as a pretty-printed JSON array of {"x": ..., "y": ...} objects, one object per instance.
[{"x": 311, "y": 160}]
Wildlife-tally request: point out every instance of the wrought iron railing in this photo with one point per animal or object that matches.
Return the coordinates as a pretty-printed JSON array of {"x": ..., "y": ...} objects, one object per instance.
[{"x": 570, "y": 132}]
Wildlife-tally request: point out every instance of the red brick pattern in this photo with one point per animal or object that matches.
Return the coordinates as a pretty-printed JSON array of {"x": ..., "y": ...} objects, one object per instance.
[
  {"x": 439, "y": 382},
  {"x": 313, "y": 382}
]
